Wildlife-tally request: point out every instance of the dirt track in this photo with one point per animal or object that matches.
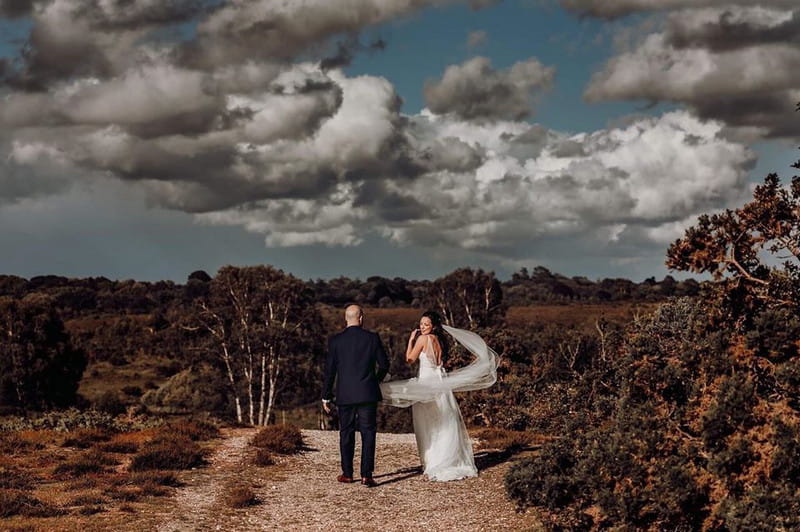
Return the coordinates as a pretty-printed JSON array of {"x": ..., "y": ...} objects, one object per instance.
[{"x": 301, "y": 492}]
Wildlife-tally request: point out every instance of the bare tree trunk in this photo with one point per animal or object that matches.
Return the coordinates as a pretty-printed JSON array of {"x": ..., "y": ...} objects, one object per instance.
[
  {"x": 274, "y": 372},
  {"x": 226, "y": 357},
  {"x": 262, "y": 415},
  {"x": 467, "y": 308}
]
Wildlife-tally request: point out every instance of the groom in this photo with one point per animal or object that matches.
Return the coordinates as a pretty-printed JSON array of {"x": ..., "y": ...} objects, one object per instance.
[{"x": 358, "y": 358}]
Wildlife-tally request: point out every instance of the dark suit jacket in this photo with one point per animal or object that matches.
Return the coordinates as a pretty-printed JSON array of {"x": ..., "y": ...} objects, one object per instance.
[{"x": 358, "y": 359}]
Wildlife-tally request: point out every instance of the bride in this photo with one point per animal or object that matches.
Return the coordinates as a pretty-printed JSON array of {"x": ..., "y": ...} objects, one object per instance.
[{"x": 442, "y": 439}]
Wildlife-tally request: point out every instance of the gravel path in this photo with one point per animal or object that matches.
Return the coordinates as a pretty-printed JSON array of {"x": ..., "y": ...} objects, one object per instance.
[{"x": 301, "y": 492}]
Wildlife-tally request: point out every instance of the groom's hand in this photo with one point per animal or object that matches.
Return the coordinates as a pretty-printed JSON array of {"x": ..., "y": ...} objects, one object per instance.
[{"x": 326, "y": 406}]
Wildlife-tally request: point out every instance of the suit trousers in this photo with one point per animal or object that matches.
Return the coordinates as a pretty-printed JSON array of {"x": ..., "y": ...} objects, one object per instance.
[{"x": 364, "y": 417}]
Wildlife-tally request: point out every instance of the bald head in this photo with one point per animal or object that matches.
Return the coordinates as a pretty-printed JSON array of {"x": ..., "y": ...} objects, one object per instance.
[{"x": 353, "y": 315}]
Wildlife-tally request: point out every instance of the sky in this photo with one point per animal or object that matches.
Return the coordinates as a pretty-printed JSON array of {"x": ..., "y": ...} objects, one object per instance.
[{"x": 400, "y": 138}]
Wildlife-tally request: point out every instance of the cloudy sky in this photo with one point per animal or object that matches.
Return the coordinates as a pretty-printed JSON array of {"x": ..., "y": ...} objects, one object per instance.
[{"x": 146, "y": 139}]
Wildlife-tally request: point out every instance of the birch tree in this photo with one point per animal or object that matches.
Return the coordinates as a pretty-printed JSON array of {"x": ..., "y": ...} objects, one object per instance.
[
  {"x": 468, "y": 298},
  {"x": 265, "y": 328}
]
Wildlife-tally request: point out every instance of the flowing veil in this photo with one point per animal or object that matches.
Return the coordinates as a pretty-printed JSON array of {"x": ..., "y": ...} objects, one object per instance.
[{"x": 480, "y": 373}]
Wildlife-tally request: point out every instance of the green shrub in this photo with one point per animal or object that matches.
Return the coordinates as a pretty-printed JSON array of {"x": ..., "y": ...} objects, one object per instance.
[
  {"x": 191, "y": 391},
  {"x": 548, "y": 480},
  {"x": 281, "y": 439}
]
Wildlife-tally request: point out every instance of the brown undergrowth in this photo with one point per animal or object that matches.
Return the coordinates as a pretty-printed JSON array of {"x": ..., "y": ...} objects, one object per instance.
[{"x": 89, "y": 478}]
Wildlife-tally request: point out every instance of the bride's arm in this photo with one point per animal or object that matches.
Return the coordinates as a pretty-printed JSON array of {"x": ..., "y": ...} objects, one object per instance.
[{"x": 412, "y": 353}]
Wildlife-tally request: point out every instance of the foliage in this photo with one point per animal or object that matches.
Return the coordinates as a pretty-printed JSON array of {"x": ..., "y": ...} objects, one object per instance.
[
  {"x": 467, "y": 298},
  {"x": 38, "y": 366},
  {"x": 168, "y": 452},
  {"x": 737, "y": 247},
  {"x": 695, "y": 439},
  {"x": 262, "y": 327},
  {"x": 199, "y": 388},
  {"x": 263, "y": 458},
  {"x": 281, "y": 439},
  {"x": 504, "y": 440},
  {"x": 13, "y": 502},
  {"x": 237, "y": 496},
  {"x": 16, "y": 479},
  {"x": 92, "y": 461},
  {"x": 110, "y": 403},
  {"x": 86, "y": 437},
  {"x": 73, "y": 419}
]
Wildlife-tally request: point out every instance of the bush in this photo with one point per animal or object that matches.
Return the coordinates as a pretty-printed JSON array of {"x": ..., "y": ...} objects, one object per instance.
[
  {"x": 89, "y": 462},
  {"x": 548, "y": 480},
  {"x": 132, "y": 391},
  {"x": 193, "y": 390},
  {"x": 41, "y": 369},
  {"x": 263, "y": 458},
  {"x": 697, "y": 436},
  {"x": 13, "y": 502},
  {"x": 281, "y": 439},
  {"x": 160, "y": 478},
  {"x": 85, "y": 438},
  {"x": 72, "y": 419},
  {"x": 16, "y": 479},
  {"x": 110, "y": 403},
  {"x": 240, "y": 497},
  {"x": 177, "y": 452},
  {"x": 118, "y": 446},
  {"x": 12, "y": 443},
  {"x": 504, "y": 440},
  {"x": 194, "y": 430}
]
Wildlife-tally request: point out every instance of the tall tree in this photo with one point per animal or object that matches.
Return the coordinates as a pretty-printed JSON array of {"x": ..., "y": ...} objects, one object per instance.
[
  {"x": 468, "y": 298},
  {"x": 39, "y": 368},
  {"x": 264, "y": 327},
  {"x": 753, "y": 251}
]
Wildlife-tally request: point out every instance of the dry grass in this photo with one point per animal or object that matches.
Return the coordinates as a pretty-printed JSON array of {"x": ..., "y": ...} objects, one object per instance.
[
  {"x": 581, "y": 316},
  {"x": 68, "y": 478},
  {"x": 92, "y": 461},
  {"x": 281, "y": 439},
  {"x": 504, "y": 440},
  {"x": 120, "y": 447},
  {"x": 87, "y": 499},
  {"x": 160, "y": 478},
  {"x": 194, "y": 430},
  {"x": 13, "y": 443},
  {"x": 237, "y": 496},
  {"x": 15, "y": 502},
  {"x": 178, "y": 452},
  {"x": 263, "y": 458},
  {"x": 16, "y": 479},
  {"x": 85, "y": 438}
]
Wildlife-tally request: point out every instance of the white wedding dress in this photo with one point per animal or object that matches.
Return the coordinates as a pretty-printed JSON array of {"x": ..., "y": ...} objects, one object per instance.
[
  {"x": 444, "y": 446},
  {"x": 443, "y": 443}
]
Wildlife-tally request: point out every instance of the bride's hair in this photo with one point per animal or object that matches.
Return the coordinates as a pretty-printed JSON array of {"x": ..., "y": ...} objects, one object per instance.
[{"x": 436, "y": 321}]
